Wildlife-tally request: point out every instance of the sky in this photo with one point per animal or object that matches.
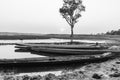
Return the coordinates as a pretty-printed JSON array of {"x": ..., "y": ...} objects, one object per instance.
[{"x": 42, "y": 16}]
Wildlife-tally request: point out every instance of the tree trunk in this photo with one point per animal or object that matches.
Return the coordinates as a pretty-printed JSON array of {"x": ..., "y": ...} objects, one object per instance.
[{"x": 72, "y": 35}]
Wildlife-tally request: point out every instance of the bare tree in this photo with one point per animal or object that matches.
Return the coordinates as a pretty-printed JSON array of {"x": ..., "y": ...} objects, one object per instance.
[{"x": 71, "y": 11}]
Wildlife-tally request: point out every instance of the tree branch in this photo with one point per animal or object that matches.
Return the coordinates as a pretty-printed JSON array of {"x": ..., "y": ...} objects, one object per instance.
[{"x": 67, "y": 19}]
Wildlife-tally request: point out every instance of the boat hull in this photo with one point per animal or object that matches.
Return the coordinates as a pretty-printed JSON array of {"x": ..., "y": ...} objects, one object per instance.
[
  {"x": 54, "y": 60},
  {"x": 62, "y": 46},
  {"x": 72, "y": 51}
]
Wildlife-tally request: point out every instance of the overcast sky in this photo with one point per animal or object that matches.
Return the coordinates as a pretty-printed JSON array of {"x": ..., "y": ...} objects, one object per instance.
[{"x": 42, "y": 16}]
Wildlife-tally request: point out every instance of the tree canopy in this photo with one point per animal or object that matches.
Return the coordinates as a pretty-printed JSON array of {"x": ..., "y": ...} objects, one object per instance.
[
  {"x": 71, "y": 10},
  {"x": 113, "y": 32}
]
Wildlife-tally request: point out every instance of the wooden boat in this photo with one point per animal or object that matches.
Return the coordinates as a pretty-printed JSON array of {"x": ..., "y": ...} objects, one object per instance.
[
  {"x": 56, "y": 60},
  {"x": 62, "y": 46},
  {"x": 63, "y": 49},
  {"x": 72, "y": 51}
]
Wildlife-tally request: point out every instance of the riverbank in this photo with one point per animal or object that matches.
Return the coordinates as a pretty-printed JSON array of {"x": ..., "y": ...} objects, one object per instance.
[{"x": 22, "y": 36}]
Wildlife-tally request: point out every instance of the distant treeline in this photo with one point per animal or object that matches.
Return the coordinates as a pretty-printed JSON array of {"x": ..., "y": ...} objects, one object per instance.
[{"x": 113, "y": 32}]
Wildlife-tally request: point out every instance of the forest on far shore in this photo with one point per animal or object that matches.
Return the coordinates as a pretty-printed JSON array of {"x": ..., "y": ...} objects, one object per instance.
[{"x": 113, "y": 32}]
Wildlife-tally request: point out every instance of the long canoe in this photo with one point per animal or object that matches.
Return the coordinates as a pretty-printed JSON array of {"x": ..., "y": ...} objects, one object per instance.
[
  {"x": 73, "y": 51},
  {"x": 62, "y": 46},
  {"x": 55, "y": 60}
]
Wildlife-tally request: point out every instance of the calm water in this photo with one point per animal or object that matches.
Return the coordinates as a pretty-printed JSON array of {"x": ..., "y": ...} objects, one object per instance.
[{"x": 10, "y": 52}]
